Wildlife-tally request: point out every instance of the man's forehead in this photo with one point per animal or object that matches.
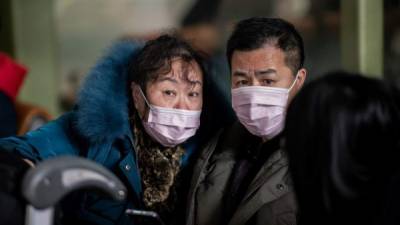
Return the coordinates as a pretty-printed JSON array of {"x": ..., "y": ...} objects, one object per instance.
[{"x": 261, "y": 59}]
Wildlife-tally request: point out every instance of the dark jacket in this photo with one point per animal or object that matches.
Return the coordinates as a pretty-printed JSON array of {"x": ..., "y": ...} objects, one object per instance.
[
  {"x": 8, "y": 116},
  {"x": 98, "y": 129},
  {"x": 268, "y": 199}
]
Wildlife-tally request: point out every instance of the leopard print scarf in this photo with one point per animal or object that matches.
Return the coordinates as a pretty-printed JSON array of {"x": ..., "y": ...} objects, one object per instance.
[{"x": 159, "y": 168}]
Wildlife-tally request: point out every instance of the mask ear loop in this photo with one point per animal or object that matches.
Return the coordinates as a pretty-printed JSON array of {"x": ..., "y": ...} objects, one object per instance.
[
  {"x": 294, "y": 82},
  {"x": 144, "y": 97},
  {"x": 147, "y": 103}
]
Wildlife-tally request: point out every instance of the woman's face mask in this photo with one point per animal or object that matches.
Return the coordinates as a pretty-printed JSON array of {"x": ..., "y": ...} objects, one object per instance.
[
  {"x": 169, "y": 126},
  {"x": 174, "y": 103}
]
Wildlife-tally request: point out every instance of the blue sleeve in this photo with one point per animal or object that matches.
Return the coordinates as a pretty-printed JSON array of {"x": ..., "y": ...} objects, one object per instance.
[{"x": 52, "y": 139}]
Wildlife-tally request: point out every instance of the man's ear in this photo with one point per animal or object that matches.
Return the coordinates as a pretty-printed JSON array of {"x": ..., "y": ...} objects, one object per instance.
[{"x": 301, "y": 77}]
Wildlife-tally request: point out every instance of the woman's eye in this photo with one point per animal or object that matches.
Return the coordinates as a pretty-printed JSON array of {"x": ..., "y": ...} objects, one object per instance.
[
  {"x": 194, "y": 94},
  {"x": 169, "y": 93}
]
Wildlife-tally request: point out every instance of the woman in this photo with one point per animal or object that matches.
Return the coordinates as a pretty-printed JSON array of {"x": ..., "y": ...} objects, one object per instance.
[
  {"x": 137, "y": 114},
  {"x": 343, "y": 142}
]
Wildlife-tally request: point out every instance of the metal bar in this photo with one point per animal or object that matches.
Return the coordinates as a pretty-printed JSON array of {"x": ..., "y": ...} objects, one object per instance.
[{"x": 362, "y": 36}]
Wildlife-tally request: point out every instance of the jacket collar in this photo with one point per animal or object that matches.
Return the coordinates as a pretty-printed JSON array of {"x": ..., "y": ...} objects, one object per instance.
[{"x": 102, "y": 112}]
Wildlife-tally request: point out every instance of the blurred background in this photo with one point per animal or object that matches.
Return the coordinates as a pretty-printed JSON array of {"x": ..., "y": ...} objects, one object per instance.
[{"x": 59, "y": 40}]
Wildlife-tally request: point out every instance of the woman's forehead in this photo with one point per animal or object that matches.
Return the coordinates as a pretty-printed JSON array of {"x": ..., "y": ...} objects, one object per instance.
[{"x": 182, "y": 70}]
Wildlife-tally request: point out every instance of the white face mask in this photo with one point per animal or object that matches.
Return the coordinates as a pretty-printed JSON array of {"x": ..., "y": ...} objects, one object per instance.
[
  {"x": 261, "y": 109},
  {"x": 169, "y": 126}
]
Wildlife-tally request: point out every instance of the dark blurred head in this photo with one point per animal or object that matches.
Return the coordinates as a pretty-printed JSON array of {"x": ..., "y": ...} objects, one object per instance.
[
  {"x": 254, "y": 33},
  {"x": 342, "y": 138}
]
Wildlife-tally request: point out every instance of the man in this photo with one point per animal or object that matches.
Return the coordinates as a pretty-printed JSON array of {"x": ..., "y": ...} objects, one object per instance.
[{"x": 242, "y": 175}]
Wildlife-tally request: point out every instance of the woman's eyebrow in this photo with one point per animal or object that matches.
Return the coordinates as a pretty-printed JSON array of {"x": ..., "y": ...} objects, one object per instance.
[
  {"x": 175, "y": 81},
  {"x": 194, "y": 82},
  {"x": 165, "y": 78}
]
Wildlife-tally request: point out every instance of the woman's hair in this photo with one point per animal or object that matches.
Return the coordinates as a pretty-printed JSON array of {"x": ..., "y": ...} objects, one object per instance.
[
  {"x": 155, "y": 59},
  {"x": 343, "y": 142}
]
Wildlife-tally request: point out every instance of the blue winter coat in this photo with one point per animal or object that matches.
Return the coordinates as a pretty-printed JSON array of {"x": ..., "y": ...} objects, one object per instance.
[{"x": 97, "y": 129}]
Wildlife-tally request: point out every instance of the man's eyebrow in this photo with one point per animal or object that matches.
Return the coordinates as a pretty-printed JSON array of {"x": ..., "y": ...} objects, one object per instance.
[
  {"x": 240, "y": 73},
  {"x": 265, "y": 72}
]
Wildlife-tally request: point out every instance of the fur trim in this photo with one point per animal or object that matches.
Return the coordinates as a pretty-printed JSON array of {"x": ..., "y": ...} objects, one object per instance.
[{"x": 102, "y": 108}]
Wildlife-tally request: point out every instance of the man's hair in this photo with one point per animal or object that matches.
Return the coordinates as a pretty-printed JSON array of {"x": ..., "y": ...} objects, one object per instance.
[
  {"x": 155, "y": 59},
  {"x": 254, "y": 33}
]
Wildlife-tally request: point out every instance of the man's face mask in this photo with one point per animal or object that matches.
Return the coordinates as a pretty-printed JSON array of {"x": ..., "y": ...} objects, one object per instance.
[{"x": 261, "y": 109}]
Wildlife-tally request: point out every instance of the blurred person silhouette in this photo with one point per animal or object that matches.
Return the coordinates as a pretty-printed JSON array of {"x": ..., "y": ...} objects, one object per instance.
[
  {"x": 199, "y": 27},
  {"x": 139, "y": 113},
  {"x": 12, "y": 75},
  {"x": 242, "y": 176},
  {"x": 16, "y": 117},
  {"x": 343, "y": 142},
  {"x": 69, "y": 90},
  {"x": 12, "y": 203}
]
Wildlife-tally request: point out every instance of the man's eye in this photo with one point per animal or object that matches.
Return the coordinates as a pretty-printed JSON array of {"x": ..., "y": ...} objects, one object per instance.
[
  {"x": 169, "y": 93},
  {"x": 267, "y": 82},
  {"x": 241, "y": 83}
]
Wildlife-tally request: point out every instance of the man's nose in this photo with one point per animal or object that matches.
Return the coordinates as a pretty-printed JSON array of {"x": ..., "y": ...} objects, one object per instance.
[{"x": 254, "y": 82}]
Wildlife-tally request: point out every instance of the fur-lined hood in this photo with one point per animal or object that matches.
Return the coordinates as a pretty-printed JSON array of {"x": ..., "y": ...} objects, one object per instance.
[{"x": 102, "y": 111}]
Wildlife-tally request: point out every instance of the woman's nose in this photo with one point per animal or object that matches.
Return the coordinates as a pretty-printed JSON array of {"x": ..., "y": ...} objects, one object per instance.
[{"x": 181, "y": 103}]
